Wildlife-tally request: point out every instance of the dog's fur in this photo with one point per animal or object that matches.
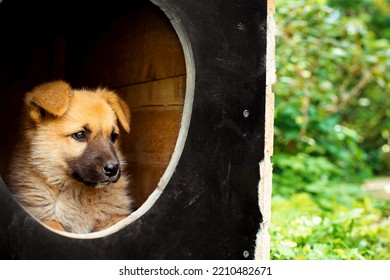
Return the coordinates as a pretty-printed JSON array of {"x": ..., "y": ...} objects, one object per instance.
[{"x": 67, "y": 169}]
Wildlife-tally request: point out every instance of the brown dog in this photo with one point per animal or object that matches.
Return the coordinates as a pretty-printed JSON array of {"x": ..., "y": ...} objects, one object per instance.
[{"x": 67, "y": 169}]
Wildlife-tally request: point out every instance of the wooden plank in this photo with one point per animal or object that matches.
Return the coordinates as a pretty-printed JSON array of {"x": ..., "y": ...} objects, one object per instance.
[
  {"x": 140, "y": 46},
  {"x": 143, "y": 181},
  {"x": 263, "y": 243},
  {"x": 153, "y": 136},
  {"x": 149, "y": 147},
  {"x": 165, "y": 92}
]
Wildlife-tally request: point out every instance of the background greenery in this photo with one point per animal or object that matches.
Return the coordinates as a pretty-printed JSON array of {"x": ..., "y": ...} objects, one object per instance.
[{"x": 332, "y": 129}]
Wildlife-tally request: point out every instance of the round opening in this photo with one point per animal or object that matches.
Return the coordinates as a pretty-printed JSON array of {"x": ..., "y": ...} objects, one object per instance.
[{"x": 130, "y": 47}]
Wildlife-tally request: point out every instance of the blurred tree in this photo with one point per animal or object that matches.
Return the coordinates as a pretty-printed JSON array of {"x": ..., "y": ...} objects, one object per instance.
[
  {"x": 332, "y": 94},
  {"x": 376, "y": 13}
]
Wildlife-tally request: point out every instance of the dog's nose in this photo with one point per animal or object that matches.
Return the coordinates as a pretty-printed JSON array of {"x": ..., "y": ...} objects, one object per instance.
[{"x": 111, "y": 169}]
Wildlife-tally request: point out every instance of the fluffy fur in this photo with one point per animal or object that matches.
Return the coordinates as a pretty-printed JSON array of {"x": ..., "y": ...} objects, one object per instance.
[{"x": 67, "y": 168}]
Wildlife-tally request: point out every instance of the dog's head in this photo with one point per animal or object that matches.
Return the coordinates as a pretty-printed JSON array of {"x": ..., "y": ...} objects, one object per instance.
[{"x": 74, "y": 133}]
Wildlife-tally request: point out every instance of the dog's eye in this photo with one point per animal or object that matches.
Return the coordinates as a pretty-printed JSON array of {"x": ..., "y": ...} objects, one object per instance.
[
  {"x": 114, "y": 137},
  {"x": 80, "y": 136}
]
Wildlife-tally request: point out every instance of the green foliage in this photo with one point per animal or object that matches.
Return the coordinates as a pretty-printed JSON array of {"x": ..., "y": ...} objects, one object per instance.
[
  {"x": 375, "y": 12},
  {"x": 302, "y": 173},
  {"x": 342, "y": 224},
  {"x": 332, "y": 125},
  {"x": 332, "y": 90}
]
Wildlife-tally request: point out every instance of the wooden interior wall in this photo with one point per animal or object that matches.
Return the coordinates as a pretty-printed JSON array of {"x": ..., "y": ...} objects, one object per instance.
[{"x": 137, "y": 54}]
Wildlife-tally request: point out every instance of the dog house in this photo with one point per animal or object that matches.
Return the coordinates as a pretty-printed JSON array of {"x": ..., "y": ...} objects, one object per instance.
[{"x": 194, "y": 76}]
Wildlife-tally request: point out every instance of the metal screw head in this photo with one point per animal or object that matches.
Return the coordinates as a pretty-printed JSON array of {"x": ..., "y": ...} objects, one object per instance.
[
  {"x": 245, "y": 113},
  {"x": 245, "y": 254}
]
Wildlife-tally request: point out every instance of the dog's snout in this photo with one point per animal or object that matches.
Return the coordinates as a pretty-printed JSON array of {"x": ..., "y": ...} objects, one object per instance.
[
  {"x": 98, "y": 165},
  {"x": 111, "y": 169}
]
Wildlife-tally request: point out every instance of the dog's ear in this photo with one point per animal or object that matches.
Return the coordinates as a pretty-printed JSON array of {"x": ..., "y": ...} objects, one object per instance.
[
  {"x": 52, "y": 97},
  {"x": 120, "y": 108}
]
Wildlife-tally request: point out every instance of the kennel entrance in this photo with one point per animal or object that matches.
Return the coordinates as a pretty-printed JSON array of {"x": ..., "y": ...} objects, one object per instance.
[
  {"x": 209, "y": 208},
  {"x": 129, "y": 46}
]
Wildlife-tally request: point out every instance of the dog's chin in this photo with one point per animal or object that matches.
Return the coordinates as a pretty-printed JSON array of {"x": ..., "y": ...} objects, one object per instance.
[
  {"x": 101, "y": 185},
  {"x": 98, "y": 185},
  {"x": 95, "y": 184},
  {"x": 105, "y": 183}
]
